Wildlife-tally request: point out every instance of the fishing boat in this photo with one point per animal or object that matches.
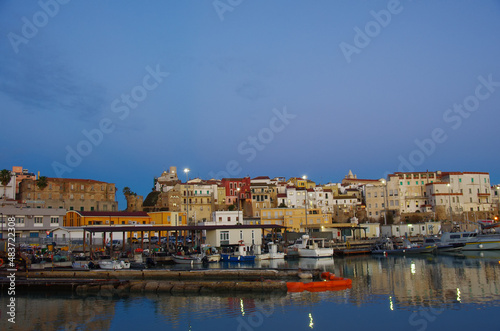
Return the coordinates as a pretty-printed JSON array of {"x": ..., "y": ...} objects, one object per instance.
[
  {"x": 386, "y": 246},
  {"x": 114, "y": 265},
  {"x": 314, "y": 247},
  {"x": 272, "y": 254},
  {"x": 443, "y": 247},
  {"x": 110, "y": 265},
  {"x": 473, "y": 241},
  {"x": 189, "y": 259},
  {"x": 242, "y": 255},
  {"x": 211, "y": 253},
  {"x": 309, "y": 247}
]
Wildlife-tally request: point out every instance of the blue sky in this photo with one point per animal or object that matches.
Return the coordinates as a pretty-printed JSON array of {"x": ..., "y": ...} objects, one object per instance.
[{"x": 120, "y": 90}]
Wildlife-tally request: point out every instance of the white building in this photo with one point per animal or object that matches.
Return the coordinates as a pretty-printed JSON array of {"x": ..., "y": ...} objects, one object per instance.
[
  {"x": 30, "y": 223},
  {"x": 234, "y": 235},
  {"x": 225, "y": 218}
]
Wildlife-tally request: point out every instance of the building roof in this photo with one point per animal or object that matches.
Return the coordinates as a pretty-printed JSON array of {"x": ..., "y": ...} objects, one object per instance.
[
  {"x": 112, "y": 213},
  {"x": 76, "y": 180},
  {"x": 135, "y": 228}
]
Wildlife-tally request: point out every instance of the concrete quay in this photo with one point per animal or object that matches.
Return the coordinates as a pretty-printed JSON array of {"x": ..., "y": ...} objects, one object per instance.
[{"x": 125, "y": 282}]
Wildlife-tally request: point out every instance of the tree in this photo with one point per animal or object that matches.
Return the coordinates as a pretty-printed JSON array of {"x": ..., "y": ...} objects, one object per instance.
[
  {"x": 5, "y": 178},
  {"x": 41, "y": 182},
  {"x": 126, "y": 191},
  {"x": 282, "y": 205}
]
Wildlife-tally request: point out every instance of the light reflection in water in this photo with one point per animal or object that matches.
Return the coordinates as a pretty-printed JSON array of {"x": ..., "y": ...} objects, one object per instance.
[
  {"x": 311, "y": 323},
  {"x": 447, "y": 283}
]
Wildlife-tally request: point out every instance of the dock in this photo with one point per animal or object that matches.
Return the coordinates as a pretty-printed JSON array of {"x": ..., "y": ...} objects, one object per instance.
[{"x": 124, "y": 282}]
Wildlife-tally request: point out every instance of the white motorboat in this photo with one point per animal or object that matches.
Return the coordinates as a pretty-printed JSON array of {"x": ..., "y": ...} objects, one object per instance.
[
  {"x": 273, "y": 253},
  {"x": 473, "y": 241},
  {"x": 111, "y": 265},
  {"x": 309, "y": 247},
  {"x": 188, "y": 259}
]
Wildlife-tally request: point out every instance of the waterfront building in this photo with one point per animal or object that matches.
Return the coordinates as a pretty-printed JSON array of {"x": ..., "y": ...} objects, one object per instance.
[
  {"x": 411, "y": 229},
  {"x": 172, "y": 218},
  {"x": 234, "y": 235},
  {"x": 32, "y": 224},
  {"x": 73, "y": 236},
  {"x": 69, "y": 194},
  {"x": 225, "y": 217},
  {"x": 108, "y": 218},
  {"x": 294, "y": 218}
]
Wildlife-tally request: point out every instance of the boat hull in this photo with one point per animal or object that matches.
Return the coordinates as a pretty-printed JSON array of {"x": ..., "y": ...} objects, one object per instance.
[
  {"x": 187, "y": 259},
  {"x": 237, "y": 258},
  {"x": 316, "y": 252},
  {"x": 405, "y": 251}
]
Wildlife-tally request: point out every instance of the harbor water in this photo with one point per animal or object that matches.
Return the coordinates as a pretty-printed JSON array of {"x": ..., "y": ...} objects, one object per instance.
[{"x": 421, "y": 292}]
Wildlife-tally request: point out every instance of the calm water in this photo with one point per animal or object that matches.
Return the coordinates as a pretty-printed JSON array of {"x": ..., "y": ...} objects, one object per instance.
[{"x": 407, "y": 293}]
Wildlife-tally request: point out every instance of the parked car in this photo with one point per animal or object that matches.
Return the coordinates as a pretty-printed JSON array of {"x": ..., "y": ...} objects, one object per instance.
[{"x": 154, "y": 239}]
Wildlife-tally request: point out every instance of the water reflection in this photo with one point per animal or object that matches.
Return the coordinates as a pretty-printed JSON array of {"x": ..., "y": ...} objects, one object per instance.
[{"x": 422, "y": 285}]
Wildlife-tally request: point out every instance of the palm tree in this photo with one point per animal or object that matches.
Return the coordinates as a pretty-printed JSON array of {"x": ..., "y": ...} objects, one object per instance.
[
  {"x": 126, "y": 191},
  {"x": 5, "y": 178}
]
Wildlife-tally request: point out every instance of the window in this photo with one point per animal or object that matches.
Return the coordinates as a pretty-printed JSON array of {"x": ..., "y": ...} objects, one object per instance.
[
  {"x": 224, "y": 237},
  {"x": 38, "y": 220},
  {"x": 54, "y": 220},
  {"x": 472, "y": 180},
  {"x": 20, "y": 220}
]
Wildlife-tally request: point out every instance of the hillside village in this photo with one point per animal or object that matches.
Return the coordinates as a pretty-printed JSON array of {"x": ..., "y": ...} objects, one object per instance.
[{"x": 297, "y": 203}]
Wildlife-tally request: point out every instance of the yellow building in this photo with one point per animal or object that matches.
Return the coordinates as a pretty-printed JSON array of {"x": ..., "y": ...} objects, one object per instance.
[
  {"x": 171, "y": 218},
  {"x": 107, "y": 218},
  {"x": 294, "y": 218},
  {"x": 300, "y": 182}
]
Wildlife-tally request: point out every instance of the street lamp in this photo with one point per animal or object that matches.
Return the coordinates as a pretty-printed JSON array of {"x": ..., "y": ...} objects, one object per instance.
[
  {"x": 186, "y": 170},
  {"x": 305, "y": 178},
  {"x": 238, "y": 190},
  {"x": 385, "y": 201}
]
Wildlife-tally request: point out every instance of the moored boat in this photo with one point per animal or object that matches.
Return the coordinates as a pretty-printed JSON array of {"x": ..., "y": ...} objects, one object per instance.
[
  {"x": 188, "y": 259},
  {"x": 473, "y": 241},
  {"x": 309, "y": 247},
  {"x": 386, "y": 246},
  {"x": 442, "y": 247},
  {"x": 113, "y": 265}
]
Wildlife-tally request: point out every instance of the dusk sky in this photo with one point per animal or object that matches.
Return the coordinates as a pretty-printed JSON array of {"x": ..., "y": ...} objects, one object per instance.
[{"x": 119, "y": 91}]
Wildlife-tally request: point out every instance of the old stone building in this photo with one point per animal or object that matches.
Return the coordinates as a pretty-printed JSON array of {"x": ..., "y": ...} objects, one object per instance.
[{"x": 69, "y": 194}]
